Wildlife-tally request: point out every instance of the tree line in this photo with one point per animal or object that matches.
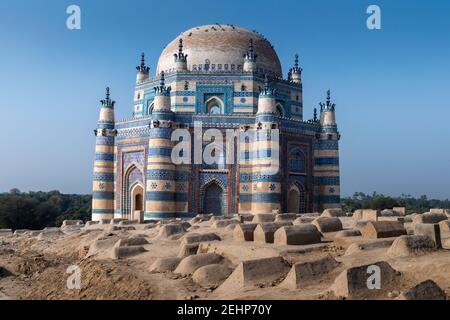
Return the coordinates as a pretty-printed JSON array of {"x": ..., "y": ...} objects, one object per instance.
[
  {"x": 360, "y": 200},
  {"x": 37, "y": 210}
]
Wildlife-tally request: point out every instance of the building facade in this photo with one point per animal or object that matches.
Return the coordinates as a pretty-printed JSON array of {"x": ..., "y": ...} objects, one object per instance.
[{"x": 226, "y": 78}]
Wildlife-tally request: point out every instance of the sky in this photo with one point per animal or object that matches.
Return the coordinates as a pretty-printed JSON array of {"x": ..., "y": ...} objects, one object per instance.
[{"x": 390, "y": 86}]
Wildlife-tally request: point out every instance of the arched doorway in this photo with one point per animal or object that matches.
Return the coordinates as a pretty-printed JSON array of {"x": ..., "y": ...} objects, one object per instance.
[
  {"x": 296, "y": 200},
  {"x": 133, "y": 179},
  {"x": 137, "y": 203},
  {"x": 213, "y": 199},
  {"x": 214, "y": 106}
]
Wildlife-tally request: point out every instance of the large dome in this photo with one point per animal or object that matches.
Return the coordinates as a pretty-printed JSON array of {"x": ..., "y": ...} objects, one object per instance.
[{"x": 223, "y": 45}]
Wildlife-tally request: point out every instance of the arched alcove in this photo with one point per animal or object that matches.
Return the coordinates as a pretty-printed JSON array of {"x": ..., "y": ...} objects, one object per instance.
[
  {"x": 214, "y": 105},
  {"x": 296, "y": 199}
]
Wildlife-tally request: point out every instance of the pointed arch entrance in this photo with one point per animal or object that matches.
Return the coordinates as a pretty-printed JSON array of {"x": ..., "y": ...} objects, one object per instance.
[
  {"x": 133, "y": 193},
  {"x": 213, "y": 199},
  {"x": 137, "y": 203},
  {"x": 296, "y": 199}
]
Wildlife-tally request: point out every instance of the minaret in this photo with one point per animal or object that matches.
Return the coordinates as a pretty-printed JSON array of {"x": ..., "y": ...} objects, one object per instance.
[
  {"x": 296, "y": 72},
  {"x": 103, "y": 180},
  {"x": 326, "y": 158},
  {"x": 180, "y": 58},
  {"x": 266, "y": 188},
  {"x": 160, "y": 186},
  {"x": 327, "y": 114},
  {"x": 250, "y": 58},
  {"x": 142, "y": 70}
]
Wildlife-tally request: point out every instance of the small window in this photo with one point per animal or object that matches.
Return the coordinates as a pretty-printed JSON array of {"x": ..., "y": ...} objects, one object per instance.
[
  {"x": 225, "y": 66},
  {"x": 219, "y": 66},
  {"x": 243, "y": 88}
]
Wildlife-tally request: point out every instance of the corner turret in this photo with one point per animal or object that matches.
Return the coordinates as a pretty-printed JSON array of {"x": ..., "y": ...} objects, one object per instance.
[
  {"x": 103, "y": 181},
  {"x": 250, "y": 58},
  {"x": 180, "y": 58},
  {"x": 296, "y": 72},
  {"x": 142, "y": 70}
]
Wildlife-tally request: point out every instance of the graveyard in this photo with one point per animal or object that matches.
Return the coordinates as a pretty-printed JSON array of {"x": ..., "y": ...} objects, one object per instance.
[{"x": 367, "y": 254}]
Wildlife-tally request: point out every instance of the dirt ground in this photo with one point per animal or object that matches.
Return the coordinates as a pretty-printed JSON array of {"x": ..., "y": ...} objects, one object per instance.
[{"x": 34, "y": 266}]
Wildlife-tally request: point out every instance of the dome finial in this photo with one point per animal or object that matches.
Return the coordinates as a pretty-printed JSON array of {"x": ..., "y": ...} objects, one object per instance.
[
  {"x": 267, "y": 90},
  {"x": 296, "y": 68},
  {"x": 107, "y": 102},
  {"x": 327, "y": 106},
  {"x": 162, "y": 89},
  {"x": 180, "y": 57},
  {"x": 162, "y": 80},
  {"x": 180, "y": 47},
  {"x": 296, "y": 73},
  {"x": 142, "y": 67},
  {"x": 250, "y": 55},
  {"x": 315, "y": 115}
]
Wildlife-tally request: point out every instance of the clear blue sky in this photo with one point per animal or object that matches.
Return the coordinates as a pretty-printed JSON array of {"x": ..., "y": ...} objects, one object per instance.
[{"x": 391, "y": 86}]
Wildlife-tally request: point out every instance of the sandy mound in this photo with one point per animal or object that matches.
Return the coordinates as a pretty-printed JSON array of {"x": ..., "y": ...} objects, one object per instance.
[
  {"x": 126, "y": 252},
  {"x": 355, "y": 248},
  {"x": 285, "y": 217},
  {"x": 66, "y": 223},
  {"x": 258, "y": 272},
  {"x": 165, "y": 264},
  {"x": 348, "y": 233},
  {"x": 264, "y": 232},
  {"x": 263, "y": 217},
  {"x": 302, "y": 220},
  {"x": 426, "y": 290},
  {"x": 5, "y": 232},
  {"x": 302, "y": 273},
  {"x": 171, "y": 231},
  {"x": 405, "y": 246},
  {"x": 244, "y": 232},
  {"x": 48, "y": 235},
  {"x": 429, "y": 217},
  {"x": 297, "y": 235},
  {"x": 212, "y": 275},
  {"x": 326, "y": 224},
  {"x": 445, "y": 227},
  {"x": 187, "y": 249},
  {"x": 224, "y": 223},
  {"x": 333, "y": 212},
  {"x": 199, "y": 237},
  {"x": 356, "y": 282},
  {"x": 191, "y": 263},
  {"x": 431, "y": 230},
  {"x": 383, "y": 229},
  {"x": 132, "y": 241}
]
